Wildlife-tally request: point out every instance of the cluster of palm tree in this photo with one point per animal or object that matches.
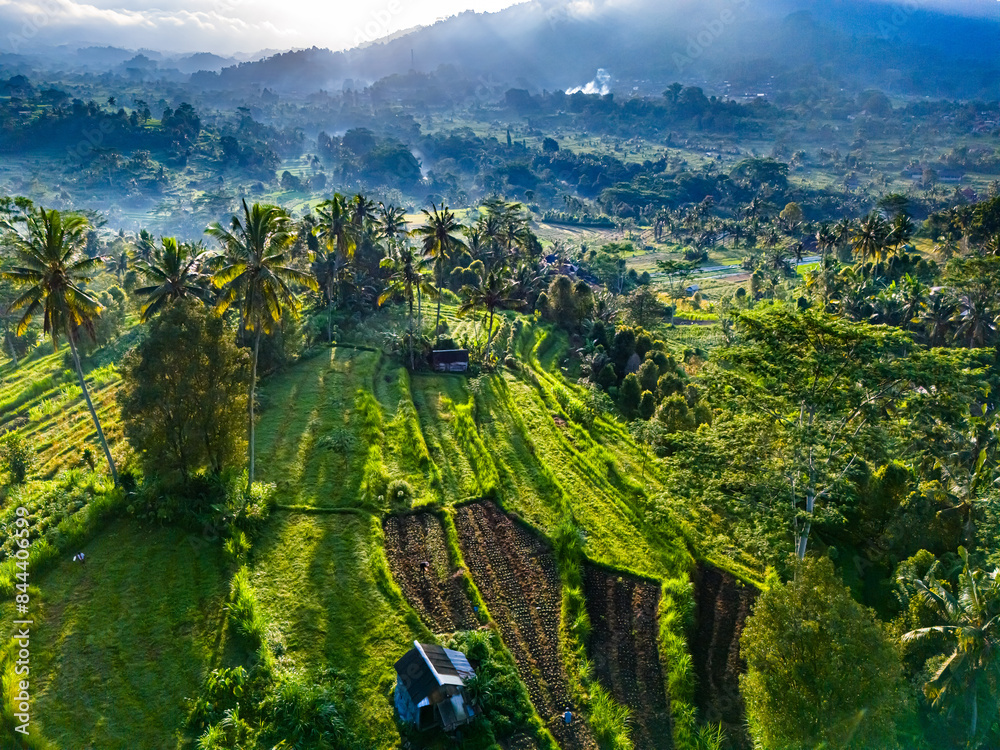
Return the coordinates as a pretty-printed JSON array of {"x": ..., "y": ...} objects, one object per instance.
[
  {"x": 263, "y": 264},
  {"x": 889, "y": 285},
  {"x": 251, "y": 273}
]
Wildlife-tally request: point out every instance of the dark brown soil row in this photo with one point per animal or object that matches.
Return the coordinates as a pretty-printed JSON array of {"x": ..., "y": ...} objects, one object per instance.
[
  {"x": 722, "y": 605},
  {"x": 624, "y": 651},
  {"x": 516, "y": 574},
  {"x": 418, "y": 559}
]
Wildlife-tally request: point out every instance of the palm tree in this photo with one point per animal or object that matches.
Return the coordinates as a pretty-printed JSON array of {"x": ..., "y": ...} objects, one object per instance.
[
  {"x": 340, "y": 235},
  {"x": 391, "y": 222},
  {"x": 971, "y": 623},
  {"x": 975, "y": 319},
  {"x": 50, "y": 262},
  {"x": 913, "y": 294},
  {"x": 407, "y": 278},
  {"x": 253, "y": 276},
  {"x": 440, "y": 238},
  {"x": 118, "y": 264},
  {"x": 938, "y": 316},
  {"x": 493, "y": 293},
  {"x": 870, "y": 237},
  {"x": 145, "y": 245},
  {"x": 175, "y": 271}
]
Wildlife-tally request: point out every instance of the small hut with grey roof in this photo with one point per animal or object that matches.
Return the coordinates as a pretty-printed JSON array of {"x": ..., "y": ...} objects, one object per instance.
[{"x": 430, "y": 687}]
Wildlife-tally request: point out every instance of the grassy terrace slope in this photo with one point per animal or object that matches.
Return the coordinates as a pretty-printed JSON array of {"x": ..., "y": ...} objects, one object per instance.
[
  {"x": 324, "y": 588},
  {"x": 42, "y": 397},
  {"x": 123, "y": 640},
  {"x": 120, "y": 642}
]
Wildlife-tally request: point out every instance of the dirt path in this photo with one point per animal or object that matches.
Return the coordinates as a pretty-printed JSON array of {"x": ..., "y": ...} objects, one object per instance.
[
  {"x": 516, "y": 574},
  {"x": 418, "y": 559},
  {"x": 722, "y": 604},
  {"x": 623, "y": 649}
]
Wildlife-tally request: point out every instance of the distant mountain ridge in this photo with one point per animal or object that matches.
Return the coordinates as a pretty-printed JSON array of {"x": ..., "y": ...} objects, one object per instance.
[{"x": 646, "y": 44}]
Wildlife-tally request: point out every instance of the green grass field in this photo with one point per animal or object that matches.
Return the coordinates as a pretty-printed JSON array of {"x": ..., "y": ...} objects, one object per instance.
[{"x": 120, "y": 641}]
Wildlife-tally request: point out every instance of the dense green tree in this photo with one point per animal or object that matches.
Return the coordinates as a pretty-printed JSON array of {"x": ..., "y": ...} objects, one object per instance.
[
  {"x": 183, "y": 398},
  {"x": 630, "y": 394},
  {"x": 16, "y": 458},
  {"x": 970, "y": 622},
  {"x": 822, "y": 672},
  {"x": 828, "y": 384},
  {"x": 254, "y": 277},
  {"x": 649, "y": 374},
  {"x": 647, "y": 405},
  {"x": 53, "y": 270}
]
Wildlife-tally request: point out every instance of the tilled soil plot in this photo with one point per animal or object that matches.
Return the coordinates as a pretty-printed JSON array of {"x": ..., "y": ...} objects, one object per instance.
[
  {"x": 624, "y": 650},
  {"x": 418, "y": 559},
  {"x": 722, "y": 605},
  {"x": 516, "y": 574}
]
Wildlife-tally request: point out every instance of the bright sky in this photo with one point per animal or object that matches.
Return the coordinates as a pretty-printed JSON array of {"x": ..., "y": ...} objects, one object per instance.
[
  {"x": 228, "y": 26},
  {"x": 220, "y": 26}
]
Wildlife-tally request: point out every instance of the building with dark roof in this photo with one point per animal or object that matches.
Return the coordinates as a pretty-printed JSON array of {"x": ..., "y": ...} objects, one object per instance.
[
  {"x": 430, "y": 687},
  {"x": 450, "y": 360}
]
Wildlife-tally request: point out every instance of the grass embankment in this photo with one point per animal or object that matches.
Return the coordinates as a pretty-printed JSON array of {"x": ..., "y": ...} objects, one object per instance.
[
  {"x": 309, "y": 438},
  {"x": 325, "y": 591},
  {"x": 120, "y": 641}
]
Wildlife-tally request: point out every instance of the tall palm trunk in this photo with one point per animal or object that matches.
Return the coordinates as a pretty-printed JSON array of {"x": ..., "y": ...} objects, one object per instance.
[
  {"x": 489, "y": 336},
  {"x": 253, "y": 395},
  {"x": 10, "y": 342},
  {"x": 90, "y": 405},
  {"x": 410, "y": 300},
  {"x": 437, "y": 319}
]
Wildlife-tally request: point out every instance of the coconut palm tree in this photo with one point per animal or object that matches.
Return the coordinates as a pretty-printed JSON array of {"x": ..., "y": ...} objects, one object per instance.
[
  {"x": 495, "y": 292},
  {"x": 335, "y": 226},
  {"x": 870, "y": 237},
  {"x": 175, "y": 271},
  {"x": 937, "y": 316},
  {"x": 408, "y": 278},
  {"x": 253, "y": 277},
  {"x": 118, "y": 264},
  {"x": 440, "y": 237},
  {"x": 51, "y": 266},
  {"x": 391, "y": 222},
  {"x": 971, "y": 672},
  {"x": 975, "y": 319},
  {"x": 913, "y": 295}
]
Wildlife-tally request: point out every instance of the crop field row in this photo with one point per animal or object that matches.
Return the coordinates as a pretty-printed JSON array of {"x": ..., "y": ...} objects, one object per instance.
[
  {"x": 623, "y": 649},
  {"x": 516, "y": 574},
  {"x": 722, "y": 604},
  {"x": 42, "y": 399},
  {"x": 418, "y": 559}
]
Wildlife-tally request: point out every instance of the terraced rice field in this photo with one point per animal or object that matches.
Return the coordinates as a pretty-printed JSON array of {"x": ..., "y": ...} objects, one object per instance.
[
  {"x": 722, "y": 605},
  {"x": 41, "y": 398},
  {"x": 516, "y": 573},
  {"x": 623, "y": 649},
  {"x": 418, "y": 558}
]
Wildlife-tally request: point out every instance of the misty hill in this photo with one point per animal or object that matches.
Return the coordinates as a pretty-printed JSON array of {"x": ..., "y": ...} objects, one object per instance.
[{"x": 645, "y": 44}]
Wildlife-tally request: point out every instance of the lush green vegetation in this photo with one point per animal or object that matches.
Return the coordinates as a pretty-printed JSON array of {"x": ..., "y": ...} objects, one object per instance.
[{"x": 682, "y": 355}]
